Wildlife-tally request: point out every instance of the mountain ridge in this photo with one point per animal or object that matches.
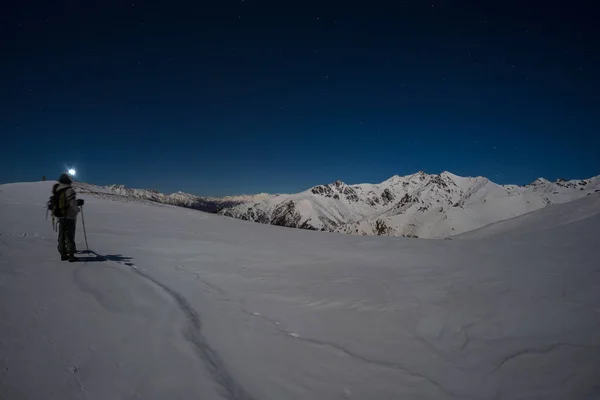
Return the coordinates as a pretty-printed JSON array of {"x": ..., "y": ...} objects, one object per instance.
[{"x": 416, "y": 205}]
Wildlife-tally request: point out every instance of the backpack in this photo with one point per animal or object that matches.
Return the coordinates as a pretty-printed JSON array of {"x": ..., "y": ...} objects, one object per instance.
[{"x": 58, "y": 203}]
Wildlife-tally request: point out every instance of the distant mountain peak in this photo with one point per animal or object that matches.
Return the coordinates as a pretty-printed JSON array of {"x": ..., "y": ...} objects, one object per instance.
[
  {"x": 539, "y": 181},
  {"x": 114, "y": 186}
]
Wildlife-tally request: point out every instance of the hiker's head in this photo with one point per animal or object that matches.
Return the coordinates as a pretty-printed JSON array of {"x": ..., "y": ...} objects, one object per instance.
[{"x": 65, "y": 179}]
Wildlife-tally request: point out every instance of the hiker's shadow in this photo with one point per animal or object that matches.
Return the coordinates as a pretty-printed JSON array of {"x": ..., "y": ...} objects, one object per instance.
[{"x": 95, "y": 257}]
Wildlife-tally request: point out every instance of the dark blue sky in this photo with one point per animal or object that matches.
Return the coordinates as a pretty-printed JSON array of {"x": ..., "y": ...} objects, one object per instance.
[{"x": 228, "y": 97}]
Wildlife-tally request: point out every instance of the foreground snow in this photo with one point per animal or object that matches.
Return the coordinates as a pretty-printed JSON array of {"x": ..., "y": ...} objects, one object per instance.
[{"x": 191, "y": 305}]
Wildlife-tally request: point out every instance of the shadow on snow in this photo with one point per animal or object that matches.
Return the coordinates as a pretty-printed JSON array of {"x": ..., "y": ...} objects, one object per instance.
[{"x": 95, "y": 257}]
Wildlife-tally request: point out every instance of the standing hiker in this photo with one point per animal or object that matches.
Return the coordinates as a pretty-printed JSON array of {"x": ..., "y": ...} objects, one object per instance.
[{"x": 65, "y": 207}]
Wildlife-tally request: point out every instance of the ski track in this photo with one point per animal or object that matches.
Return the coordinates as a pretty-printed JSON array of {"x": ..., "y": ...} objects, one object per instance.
[
  {"x": 211, "y": 287},
  {"x": 193, "y": 334},
  {"x": 539, "y": 350},
  {"x": 353, "y": 355},
  {"x": 73, "y": 371},
  {"x": 22, "y": 235}
]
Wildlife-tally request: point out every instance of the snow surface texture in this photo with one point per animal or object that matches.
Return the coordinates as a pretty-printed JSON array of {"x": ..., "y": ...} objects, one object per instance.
[
  {"x": 189, "y": 305},
  {"x": 418, "y": 205}
]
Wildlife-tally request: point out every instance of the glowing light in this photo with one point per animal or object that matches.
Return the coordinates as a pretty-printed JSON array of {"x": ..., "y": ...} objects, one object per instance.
[{"x": 72, "y": 172}]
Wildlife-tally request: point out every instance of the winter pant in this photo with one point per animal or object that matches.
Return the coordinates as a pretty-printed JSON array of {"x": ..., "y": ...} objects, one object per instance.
[{"x": 66, "y": 236}]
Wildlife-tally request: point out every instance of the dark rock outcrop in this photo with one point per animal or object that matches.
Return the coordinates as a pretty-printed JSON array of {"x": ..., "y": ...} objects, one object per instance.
[
  {"x": 382, "y": 229},
  {"x": 387, "y": 196},
  {"x": 322, "y": 190},
  {"x": 286, "y": 215},
  {"x": 336, "y": 190}
]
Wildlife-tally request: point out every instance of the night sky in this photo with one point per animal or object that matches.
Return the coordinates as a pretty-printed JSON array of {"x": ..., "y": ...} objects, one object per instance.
[{"x": 227, "y": 97}]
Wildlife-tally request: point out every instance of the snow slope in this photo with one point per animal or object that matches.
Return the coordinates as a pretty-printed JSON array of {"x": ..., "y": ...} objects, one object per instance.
[
  {"x": 188, "y": 305},
  {"x": 551, "y": 217},
  {"x": 181, "y": 199},
  {"x": 418, "y": 205}
]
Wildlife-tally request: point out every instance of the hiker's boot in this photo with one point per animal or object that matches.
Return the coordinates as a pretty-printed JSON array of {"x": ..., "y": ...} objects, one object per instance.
[
  {"x": 72, "y": 257},
  {"x": 64, "y": 257}
]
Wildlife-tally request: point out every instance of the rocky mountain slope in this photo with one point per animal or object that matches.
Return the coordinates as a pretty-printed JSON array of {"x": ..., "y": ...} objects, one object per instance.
[{"x": 418, "y": 205}]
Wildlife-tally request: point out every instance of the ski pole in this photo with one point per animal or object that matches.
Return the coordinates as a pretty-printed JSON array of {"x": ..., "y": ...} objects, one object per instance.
[{"x": 84, "y": 232}]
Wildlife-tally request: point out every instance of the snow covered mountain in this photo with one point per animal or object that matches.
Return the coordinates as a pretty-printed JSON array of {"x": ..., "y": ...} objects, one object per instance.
[
  {"x": 181, "y": 199},
  {"x": 418, "y": 205}
]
